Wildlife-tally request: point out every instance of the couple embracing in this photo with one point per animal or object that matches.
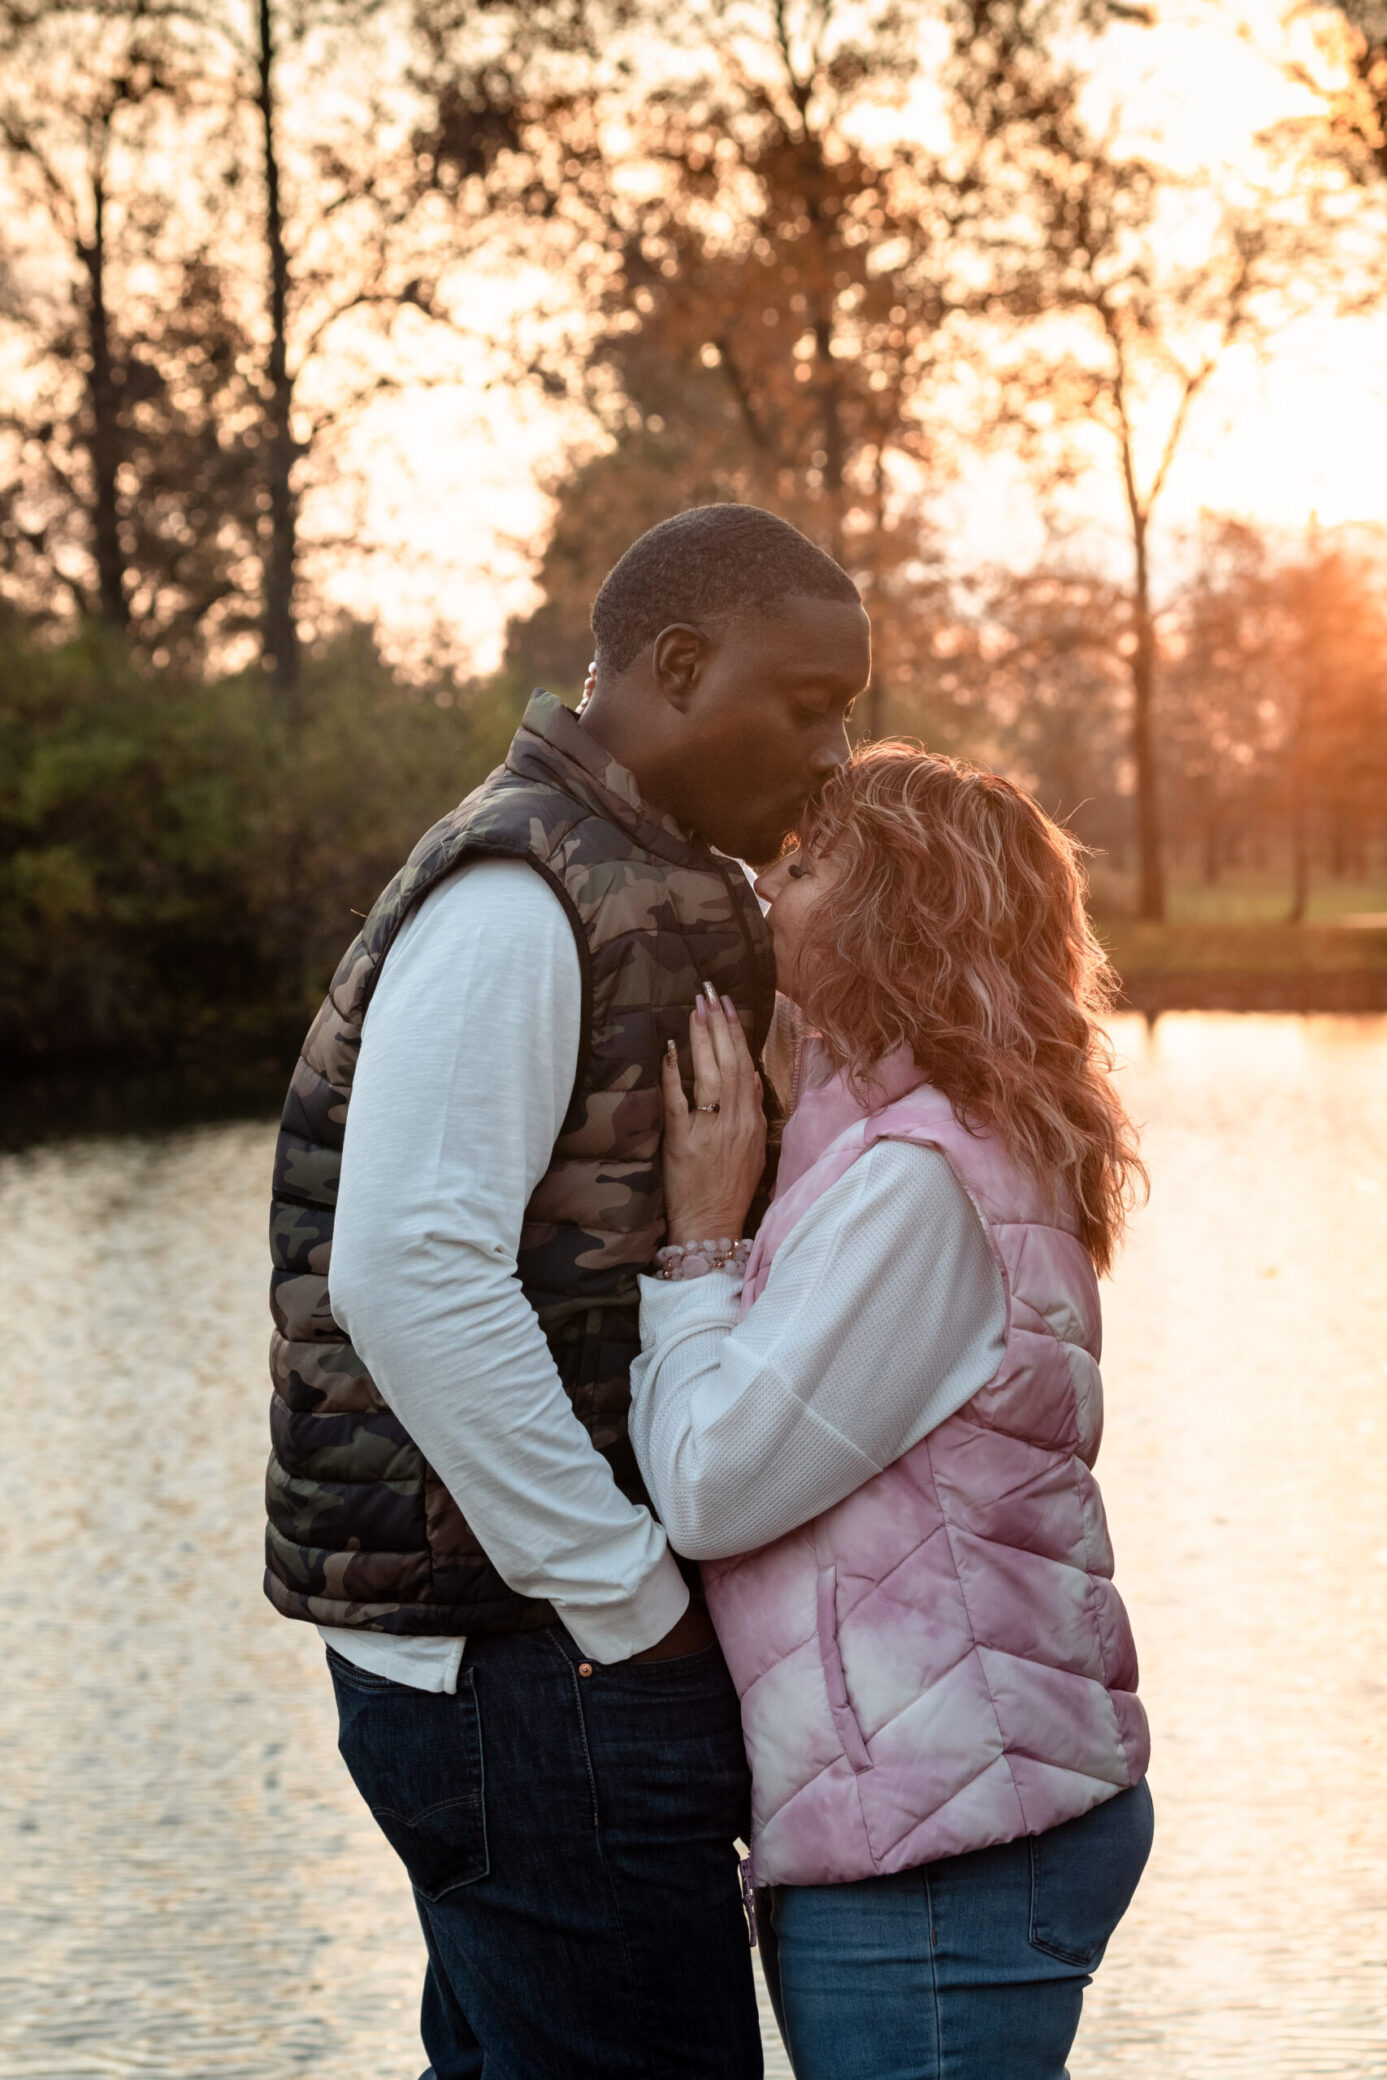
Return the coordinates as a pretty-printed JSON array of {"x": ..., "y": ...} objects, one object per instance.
[{"x": 641, "y": 1514}]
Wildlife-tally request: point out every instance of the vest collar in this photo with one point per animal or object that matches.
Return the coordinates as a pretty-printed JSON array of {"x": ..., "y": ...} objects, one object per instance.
[
  {"x": 827, "y": 1105},
  {"x": 552, "y": 743}
]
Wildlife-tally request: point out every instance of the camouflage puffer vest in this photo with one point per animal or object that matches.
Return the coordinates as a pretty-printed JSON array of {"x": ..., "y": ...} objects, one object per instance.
[{"x": 361, "y": 1530}]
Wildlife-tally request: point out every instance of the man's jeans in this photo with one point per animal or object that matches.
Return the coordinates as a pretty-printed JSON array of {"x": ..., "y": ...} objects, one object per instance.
[
  {"x": 569, "y": 1837},
  {"x": 972, "y": 1968}
]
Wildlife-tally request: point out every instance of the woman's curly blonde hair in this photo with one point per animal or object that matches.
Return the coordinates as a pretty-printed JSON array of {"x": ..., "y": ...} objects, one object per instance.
[{"x": 956, "y": 928}]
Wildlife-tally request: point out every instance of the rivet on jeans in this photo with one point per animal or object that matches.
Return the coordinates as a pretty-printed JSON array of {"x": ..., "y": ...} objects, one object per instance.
[{"x": 585, "y": 1668}]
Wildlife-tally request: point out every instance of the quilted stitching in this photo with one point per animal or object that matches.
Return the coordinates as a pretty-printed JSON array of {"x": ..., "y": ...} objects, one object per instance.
[{"x": 1018, "y": 1710}]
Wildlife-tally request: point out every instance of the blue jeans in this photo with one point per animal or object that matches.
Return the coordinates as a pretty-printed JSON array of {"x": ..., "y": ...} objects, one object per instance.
[
  {"x": 972, "y": 1968},
  {"x": 569, "y": 1839}
]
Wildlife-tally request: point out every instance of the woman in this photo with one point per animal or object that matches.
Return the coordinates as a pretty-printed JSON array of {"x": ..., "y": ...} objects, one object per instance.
[{"x": 875, "y": 1427}]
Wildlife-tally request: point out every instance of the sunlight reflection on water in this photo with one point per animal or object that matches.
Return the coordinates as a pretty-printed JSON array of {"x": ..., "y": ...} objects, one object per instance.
[{"x": 189, "y": 1887}]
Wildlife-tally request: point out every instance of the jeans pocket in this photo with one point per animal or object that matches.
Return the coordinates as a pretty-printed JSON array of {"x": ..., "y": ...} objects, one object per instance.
[
  {"x": 343, "y": 1671},
  {"x": 416, "y": 1758},
  {"x": 1084, "y": 1873},
  {"x": 697, "y": 1687},
  {"x": 701, "y": 1662}
]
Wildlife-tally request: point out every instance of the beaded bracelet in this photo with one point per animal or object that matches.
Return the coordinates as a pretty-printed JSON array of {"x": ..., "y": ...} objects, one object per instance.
[{"x": 692, "y": 1259}]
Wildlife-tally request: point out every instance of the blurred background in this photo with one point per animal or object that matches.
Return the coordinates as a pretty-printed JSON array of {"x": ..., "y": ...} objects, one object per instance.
[
  {"x": 343, "y": 349},
  {"x": 344, "y": 345}
]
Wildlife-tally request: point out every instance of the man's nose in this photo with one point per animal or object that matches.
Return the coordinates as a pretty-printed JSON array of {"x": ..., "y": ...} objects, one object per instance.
[{"x": 831, "y": 751}]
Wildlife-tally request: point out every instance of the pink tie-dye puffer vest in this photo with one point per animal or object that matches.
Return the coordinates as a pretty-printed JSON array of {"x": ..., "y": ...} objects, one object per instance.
[{"x": 941, "y": 1661}]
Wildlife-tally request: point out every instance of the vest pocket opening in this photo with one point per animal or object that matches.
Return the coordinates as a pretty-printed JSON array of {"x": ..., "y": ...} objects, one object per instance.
[{"x": 839, "y": 1703}]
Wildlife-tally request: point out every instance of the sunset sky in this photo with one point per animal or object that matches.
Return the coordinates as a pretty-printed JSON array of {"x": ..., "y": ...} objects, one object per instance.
[{"x": 1295, "y": 431}]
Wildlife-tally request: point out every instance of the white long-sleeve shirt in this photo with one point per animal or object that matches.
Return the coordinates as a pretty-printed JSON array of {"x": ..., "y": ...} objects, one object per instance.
[
  {"x": 465, "y": 1073},
  {"x": 883, "y": 1313},
  {"x": 466, "y": 1069}
]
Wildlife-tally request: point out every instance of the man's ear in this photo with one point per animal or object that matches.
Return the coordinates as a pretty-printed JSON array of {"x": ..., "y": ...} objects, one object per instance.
[{"x": 676, "y": 659}]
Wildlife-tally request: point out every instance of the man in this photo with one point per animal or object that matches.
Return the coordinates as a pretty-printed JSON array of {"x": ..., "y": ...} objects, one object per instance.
[{"x": 529, "y": 1701}]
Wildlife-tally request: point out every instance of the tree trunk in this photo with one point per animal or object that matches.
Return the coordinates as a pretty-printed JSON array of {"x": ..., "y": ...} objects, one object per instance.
[
  {"x": 1303, "y": 741},
  {"x": 833, "y": 472},
  {"x": 835, "y": 445},
  {"x": 1300, "y": 801},
  {"x": 1213, "y": 840},
  {"x": 281, "y": 638},
  {"x": 104, "y": 440},
  {"x": 1300, "y": 854},
  {"x": 1150, "y": 867}
]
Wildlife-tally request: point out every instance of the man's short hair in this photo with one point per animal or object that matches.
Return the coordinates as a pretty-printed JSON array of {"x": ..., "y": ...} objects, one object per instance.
[{"x": 710, "y": 561}]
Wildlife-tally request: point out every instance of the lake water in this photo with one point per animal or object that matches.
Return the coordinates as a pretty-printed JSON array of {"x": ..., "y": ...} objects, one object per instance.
[{"x": 188, "y": 1885}]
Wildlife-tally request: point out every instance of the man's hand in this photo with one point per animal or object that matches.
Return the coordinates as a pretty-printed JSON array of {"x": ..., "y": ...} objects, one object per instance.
[{"x": 693, "y": 1632}]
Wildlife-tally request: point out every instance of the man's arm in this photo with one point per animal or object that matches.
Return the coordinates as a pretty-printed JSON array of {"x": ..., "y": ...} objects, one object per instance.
[{"x": 466, "y": 1070}]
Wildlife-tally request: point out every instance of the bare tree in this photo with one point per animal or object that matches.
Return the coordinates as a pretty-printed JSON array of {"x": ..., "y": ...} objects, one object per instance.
[
  {"x": 339, "y": 223},
  {"x": 1349, "y": 79},
  {"x": 281, "y": 644},
  {"x": 1224, "y": 686},
  {"x": 224, "y": 326},
  {"x": 777, "y": 268},
  {"x": 1050, "y": 694},
  {"x": 329, "y": 224},
  {"x": 1136, "y": 338},
  {"x": 130, "y": 349}
]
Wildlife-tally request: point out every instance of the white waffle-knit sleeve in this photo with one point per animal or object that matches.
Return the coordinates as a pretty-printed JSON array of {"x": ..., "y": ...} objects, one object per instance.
[{"x": 883, "y": 1313}]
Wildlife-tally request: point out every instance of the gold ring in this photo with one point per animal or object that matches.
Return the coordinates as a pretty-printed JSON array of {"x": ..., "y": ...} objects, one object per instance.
[{"x": 707, "y": 1108}]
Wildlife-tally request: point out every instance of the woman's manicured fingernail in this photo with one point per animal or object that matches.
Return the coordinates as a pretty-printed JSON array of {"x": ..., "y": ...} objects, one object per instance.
[
  {"x": 671, "y": 1050},
  {"x": 701, "y": 1010},
  {"x": 730, "y": 1008},
  {"x": 711, "y": 994}
]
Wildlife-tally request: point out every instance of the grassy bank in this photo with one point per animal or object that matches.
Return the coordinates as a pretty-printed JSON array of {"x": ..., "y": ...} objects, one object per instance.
[{"x": 1248, "y": 967}]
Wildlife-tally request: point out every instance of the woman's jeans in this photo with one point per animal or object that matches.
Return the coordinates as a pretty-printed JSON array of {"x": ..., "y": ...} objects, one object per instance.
[
  {"x": 972, "y": 1968},
  {"x": 569, "y": 1831}
]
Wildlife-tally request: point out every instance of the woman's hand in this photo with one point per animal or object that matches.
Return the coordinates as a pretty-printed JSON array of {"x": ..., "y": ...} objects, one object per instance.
[{"x": 716, "y": 1150}]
